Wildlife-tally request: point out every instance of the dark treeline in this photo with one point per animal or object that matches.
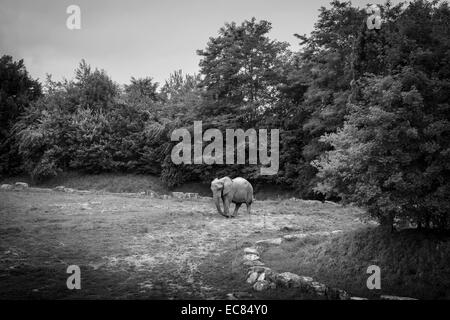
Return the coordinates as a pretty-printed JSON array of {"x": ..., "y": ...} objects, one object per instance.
[{"x": 364, "y": 115}]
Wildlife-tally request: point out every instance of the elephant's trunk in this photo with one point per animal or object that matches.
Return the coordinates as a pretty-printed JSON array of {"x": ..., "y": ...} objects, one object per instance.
[{"x": 217, "y": 199}]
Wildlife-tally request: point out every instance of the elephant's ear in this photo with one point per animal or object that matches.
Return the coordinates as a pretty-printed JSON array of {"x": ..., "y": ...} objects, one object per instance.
[{"x": 227, "y": 183}]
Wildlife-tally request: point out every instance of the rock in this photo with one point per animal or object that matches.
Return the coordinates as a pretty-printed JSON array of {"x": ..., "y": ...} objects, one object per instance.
[
  {"x": 319, "y": 288},
  {"x": 251, "y": 257},
  {"x": 321, "y": 233},
  {"x": 242, "y": 295},
  {"x": 252, "y": 278},
  {"x": 59, "y": 188},
  {"x": 274, "y": 241},
  {"x": 259, "y": 269},
  {"x": 357, "y": 298},
  {"x": 253, "y": 263},
  {"x": 271, "y": 276},
  {"x": 6, "y": 186},
  {"x": 191, "y": 195},
  {"x": 385, "y": 297},
  {"x": 292, "y": 280},
  {"x": 21, "y": 185},
  {"x": 178, "y": 195},
  {"x": 336, "y": 231},
  {"x": 291, "y": 237},
  {"x": 251, "y": 250},
  {"x": 261, "y": 285},
  {"x": 288, "y": 279},
  {"x": 343, "y": 295},
  {"x": 230, "y": 296},
  {"x": 69, "y": 190},
  {"x": 262, "y": 277}
]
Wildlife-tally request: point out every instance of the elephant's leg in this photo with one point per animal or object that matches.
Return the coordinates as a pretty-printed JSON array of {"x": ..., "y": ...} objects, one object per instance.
[
  {"x": 236, "y": 209},
  {"x": 226, "y": 207},
  {"x": 249, "y": 207}
]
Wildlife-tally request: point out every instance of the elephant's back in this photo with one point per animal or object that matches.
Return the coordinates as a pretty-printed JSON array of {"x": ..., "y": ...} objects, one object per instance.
[{"x": 244, "y": 195}]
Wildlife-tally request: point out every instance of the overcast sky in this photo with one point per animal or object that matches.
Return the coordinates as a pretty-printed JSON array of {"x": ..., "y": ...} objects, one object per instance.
[{"x": 136, "y": 37}]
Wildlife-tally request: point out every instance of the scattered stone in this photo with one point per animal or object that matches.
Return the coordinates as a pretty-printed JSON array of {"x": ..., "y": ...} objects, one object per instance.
[
  {"x": 69, "y": 190},
  {"x": 183, "y": 195},
  {"x": 261, "y": 285},
  {"x": 262, "y": 277},
  {"x": 319, "y": 288},
  {"x": 151, "y": 194},
  {"x": 385, "y": 297},
  {"x": 178, "y": 195},
  {"x": 291, "y": 237},
  {"x": 288, "y": 279},
  {"x": 6, "y": 186},
  {"x": 333, "y": 203},
  {"x": 259, "y": 269},
  {"x": 251, "y": 257},
  {"x": 344, "y": 295},
  {"x": 251, "y": 250},
  {"x": 271, "y": 276},
  {"x": 21, "y": 185},
  {"x": 357, "y": 298},
  {"x": 192, "y": 195},
  {"x": 253, "y": 263},
  {"x": 231, "y": 296},
  {"x": 242, "y": 295},
  {"x": 252, "y": 278},
  {"x": 274, "y": 241}
]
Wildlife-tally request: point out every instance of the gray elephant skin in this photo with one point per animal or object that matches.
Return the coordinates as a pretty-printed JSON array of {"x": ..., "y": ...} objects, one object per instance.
[{"x": 227, "y": 191}]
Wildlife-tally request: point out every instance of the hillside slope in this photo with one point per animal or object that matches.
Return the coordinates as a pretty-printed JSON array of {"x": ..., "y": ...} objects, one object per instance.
[{"x": 412, "y": 264}]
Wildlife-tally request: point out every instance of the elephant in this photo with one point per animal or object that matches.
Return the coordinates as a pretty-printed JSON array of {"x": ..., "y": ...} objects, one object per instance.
[{"x": 237, "y": 190}]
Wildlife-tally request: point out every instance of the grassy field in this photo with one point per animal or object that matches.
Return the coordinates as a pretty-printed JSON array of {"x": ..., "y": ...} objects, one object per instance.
[
  {"x": 123, "y": 182},
  {"x": 412, "y": 264},
  {"x": 140, "y": 247},
  {"x": 131, "y": 247}
]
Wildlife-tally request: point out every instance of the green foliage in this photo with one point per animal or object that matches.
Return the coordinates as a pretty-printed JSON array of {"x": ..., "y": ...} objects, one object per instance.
[
  {"x": 391, "y": 155},
  {"x": 17, "y": 91},
  {"x": 241, "y": 67}
]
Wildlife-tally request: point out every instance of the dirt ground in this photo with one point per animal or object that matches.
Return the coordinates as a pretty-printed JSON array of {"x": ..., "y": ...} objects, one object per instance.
[{"x": 139, "y": 247}]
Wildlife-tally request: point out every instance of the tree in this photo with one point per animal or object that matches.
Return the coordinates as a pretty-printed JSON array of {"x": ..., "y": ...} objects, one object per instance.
[
  {"x": 182, "y": 96},
  {"x": 17, "y": 91},
  {"x": 142, "y": 89},
  {"x": 240, "y": 68},
  {"x": 392, "y": 154},
  {"x": 93, "y": 89}
]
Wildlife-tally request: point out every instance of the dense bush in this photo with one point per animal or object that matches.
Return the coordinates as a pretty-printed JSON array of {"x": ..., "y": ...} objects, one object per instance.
[
  {"x": 392, "y": 153},
  {"x": 17, "y": 91}
]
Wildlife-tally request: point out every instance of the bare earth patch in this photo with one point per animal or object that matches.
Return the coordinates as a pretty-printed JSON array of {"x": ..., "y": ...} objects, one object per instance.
[{"x": 138, "y": 247}]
